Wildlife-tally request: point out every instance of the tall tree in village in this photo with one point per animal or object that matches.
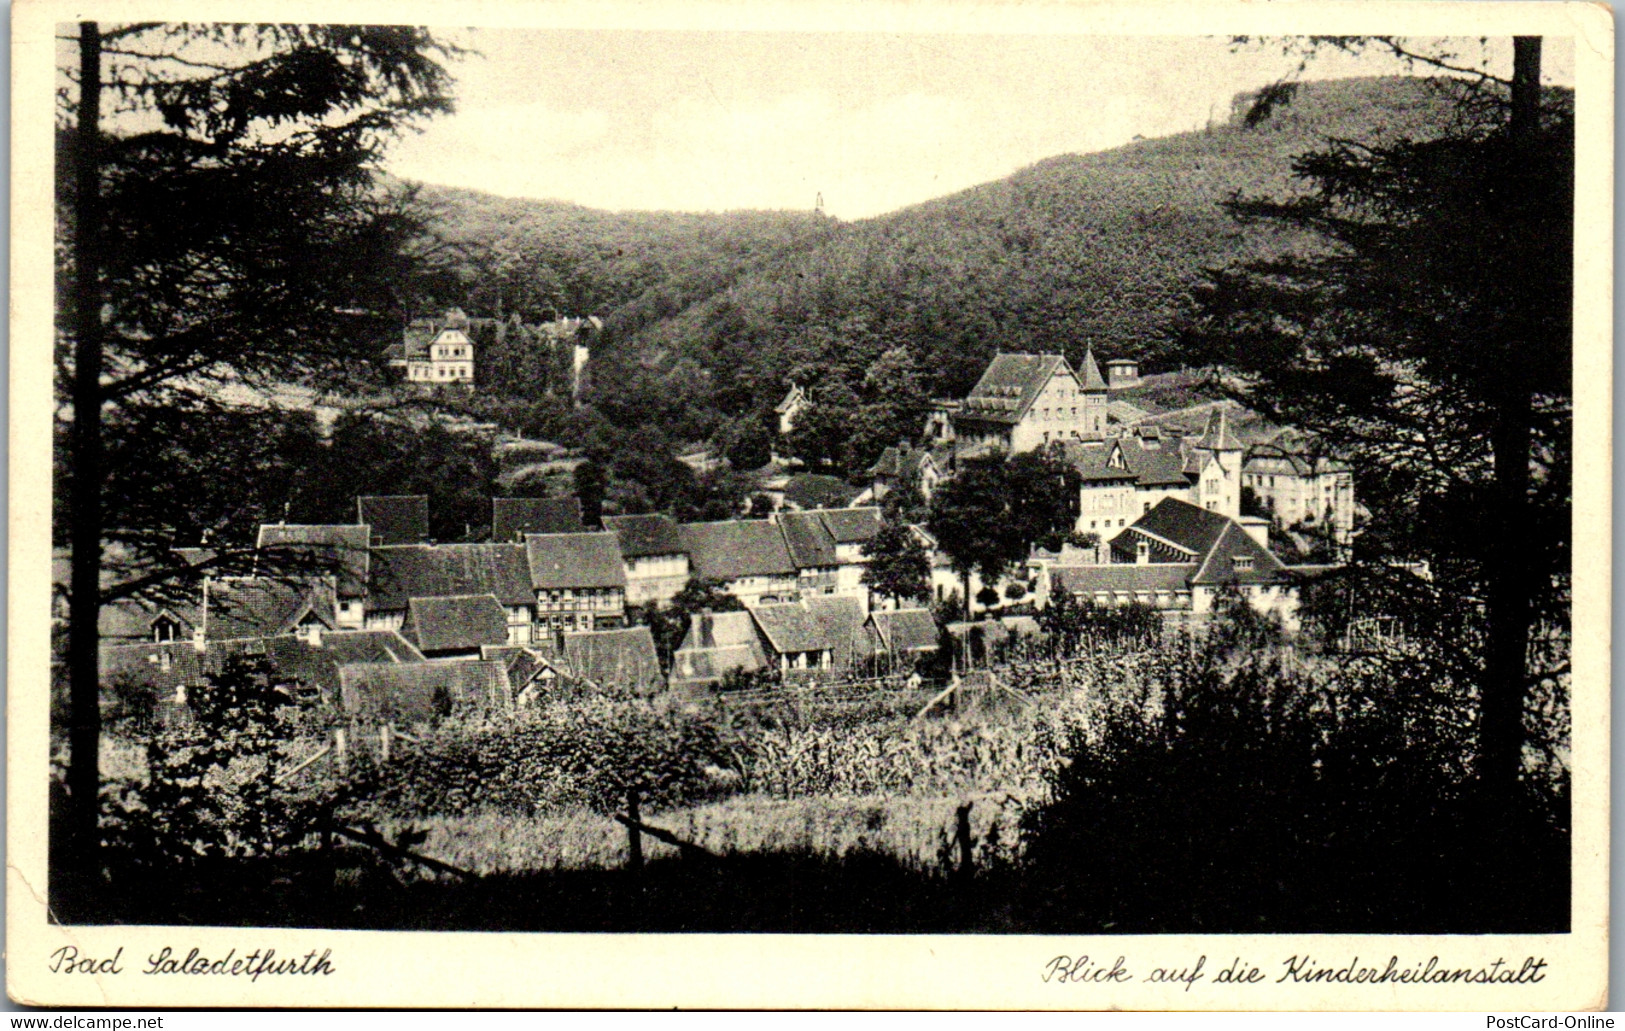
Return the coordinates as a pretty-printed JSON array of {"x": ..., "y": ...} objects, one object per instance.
[
  {"x": 988, "y": 517},
  {"x": 1428, "y": 334},
  {"x": 899, "y": 566},
  {"x": 218, "y": 223}
]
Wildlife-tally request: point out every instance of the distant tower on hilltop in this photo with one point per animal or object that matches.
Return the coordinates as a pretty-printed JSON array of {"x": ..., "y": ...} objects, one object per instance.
[{"x": 818, "y": 205}]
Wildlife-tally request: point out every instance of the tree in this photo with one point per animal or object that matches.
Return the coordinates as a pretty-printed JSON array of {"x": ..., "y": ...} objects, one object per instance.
[
  {"x": 968, "y": 519},
  {"x": 823, "y": 428},
  {"x": 217, "y": 222},
  {"x": 991, "y": 514},
  {"x": 590, "y": 483},
  {"x": 899, "y": 566},
  {"x": 1429, "y": 337},
  {"x": 1043, "y": 493},
  {"x": 746, "y": 442}
]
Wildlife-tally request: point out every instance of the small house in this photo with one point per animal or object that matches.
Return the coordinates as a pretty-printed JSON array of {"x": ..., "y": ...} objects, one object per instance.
[
  {"x": 653, "y": 554},
  {"x": 578, "y": 579},
  {"x": 748, "y": 556},
  {"x": 455, "y": 627}
]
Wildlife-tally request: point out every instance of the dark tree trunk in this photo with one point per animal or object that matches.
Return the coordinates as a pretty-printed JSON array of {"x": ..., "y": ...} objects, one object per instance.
[
  {"x": 1510, "y": 580},
  {"x": 80, "y": 832}
]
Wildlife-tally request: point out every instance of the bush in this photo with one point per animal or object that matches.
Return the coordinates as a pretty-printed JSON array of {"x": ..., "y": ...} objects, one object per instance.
[
  {"x": 209, "y": 791},
  {"x": 1256, "y": 793},
  {"x": 585, "y": 753}
]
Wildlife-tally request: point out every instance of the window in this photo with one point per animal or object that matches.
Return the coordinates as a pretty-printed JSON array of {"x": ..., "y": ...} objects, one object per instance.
[{"x": 1242, "y": 561}]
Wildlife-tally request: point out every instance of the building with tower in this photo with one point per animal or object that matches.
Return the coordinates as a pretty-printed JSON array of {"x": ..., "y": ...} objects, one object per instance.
[{"x": 1025, "y": 401}]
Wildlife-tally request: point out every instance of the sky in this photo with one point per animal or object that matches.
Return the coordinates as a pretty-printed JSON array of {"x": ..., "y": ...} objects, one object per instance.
[{"x": 711, "y": 121}]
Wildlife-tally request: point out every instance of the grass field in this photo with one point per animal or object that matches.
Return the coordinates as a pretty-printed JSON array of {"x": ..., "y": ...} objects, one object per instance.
[{"x": 917, "y": 831}]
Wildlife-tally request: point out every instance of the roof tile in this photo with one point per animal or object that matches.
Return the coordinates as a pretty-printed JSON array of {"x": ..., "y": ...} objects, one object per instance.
[{"x": 574, "y": 560}]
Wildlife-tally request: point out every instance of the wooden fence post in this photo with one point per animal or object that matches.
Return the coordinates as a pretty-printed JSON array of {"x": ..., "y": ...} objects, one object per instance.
[
  {"x": 383, "y": 742},
  {"x": 634, "y": 837},
  {"x": 966, "y": 842}
]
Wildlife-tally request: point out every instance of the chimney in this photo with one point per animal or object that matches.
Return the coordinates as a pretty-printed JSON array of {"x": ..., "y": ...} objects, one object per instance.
[
  {"x": 313, "y": 634},
  {"x": 1142, "y": 552},
  {"x": 199, "y": 642},
  {"x": 1258, "y": 528}
]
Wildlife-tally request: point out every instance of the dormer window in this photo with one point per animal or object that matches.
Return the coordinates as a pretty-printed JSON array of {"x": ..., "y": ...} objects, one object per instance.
[
  {"x": 1242, "y": 562},
  {"x": 164, "y": 629}
]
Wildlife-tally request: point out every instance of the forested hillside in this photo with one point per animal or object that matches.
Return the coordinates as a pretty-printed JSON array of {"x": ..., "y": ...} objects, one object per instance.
[{"x": 709, "y": 316}]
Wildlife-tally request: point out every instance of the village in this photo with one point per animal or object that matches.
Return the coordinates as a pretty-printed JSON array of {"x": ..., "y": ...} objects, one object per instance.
[
  {"x": 380, "y": 625},
  {"x": 1154, "y": 515}
]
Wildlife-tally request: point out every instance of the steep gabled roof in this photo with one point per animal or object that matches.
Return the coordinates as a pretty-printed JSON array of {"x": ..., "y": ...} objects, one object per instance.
[
  {"x": 791, "y": 628},
  {"x": 1217, "y": 435},
  {"x": 620, "y": 661},
  {"x": 902, "y": 461},
  {"x": 815, "y": 490},
  {"x": 461, "y": 623},
  {"x": 132, "y": 619},
  {"x": 1211, "y": 541},
  {"x": 737, "y": 548},
  {"x": 840, "y": 620},
  {"x": 264, "y": 607},
  {"x": 809, "y": 541},
  {"x": 335, "y": 549},
  {"x": 572, "y": 561},
  {"x": 513, "y": 518},
  {"x": 1181, "y": 523},
  {"x": 851, "y": 525},
  {"x": 407, "y": 571},
  {"x": 1011, "y": 384},
  {"x": 317, "y": 666},
  {"x": 395, "y": 518},
  {"x": 716, "y": 643},
  {"x": 1094, "y": 464},
  {"x": 1291, "y": 453},
  {"x": 1258, "y": 565},
  {"x": 645, "y": 535},
  {"x": 1089, "y": 372},
  {"x": 413, "y": 692},
  {"x": 901, "y": 631},
  {"x": 525, "y": 664},
  {"x": 791, "y": 396},
  {"x": 160, "y": 668}
]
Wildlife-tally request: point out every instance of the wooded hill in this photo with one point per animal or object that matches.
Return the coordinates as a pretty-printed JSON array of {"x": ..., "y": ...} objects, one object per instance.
[{"x": 707, "y": 316}]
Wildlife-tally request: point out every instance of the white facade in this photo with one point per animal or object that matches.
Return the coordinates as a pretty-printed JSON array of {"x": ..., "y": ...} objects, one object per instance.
[
  {"x": 1297, "y": 497},
  {"x": 351, "y": 613},
  {"x": 1063, "y": 411},
  {"x": 759, "y": 590},
  {"x": 655, "y": 579},
  {"x": 450, "y": 360}
]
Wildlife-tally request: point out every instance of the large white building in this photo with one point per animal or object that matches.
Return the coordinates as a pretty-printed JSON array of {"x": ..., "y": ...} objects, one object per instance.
[
  {"x": 1128, "y": 476},
  {"x": 1025, "y": 401}
]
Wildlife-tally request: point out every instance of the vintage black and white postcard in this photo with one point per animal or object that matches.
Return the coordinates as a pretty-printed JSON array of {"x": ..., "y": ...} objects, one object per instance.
[{"x": 940, "y": 505}]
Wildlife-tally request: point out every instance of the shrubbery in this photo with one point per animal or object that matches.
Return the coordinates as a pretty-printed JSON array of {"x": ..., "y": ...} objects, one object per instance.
[
  {"x": 209, "y": 790},
  {"x": 583, "y": 753},
  {"x": 1253, "y": 792}
]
